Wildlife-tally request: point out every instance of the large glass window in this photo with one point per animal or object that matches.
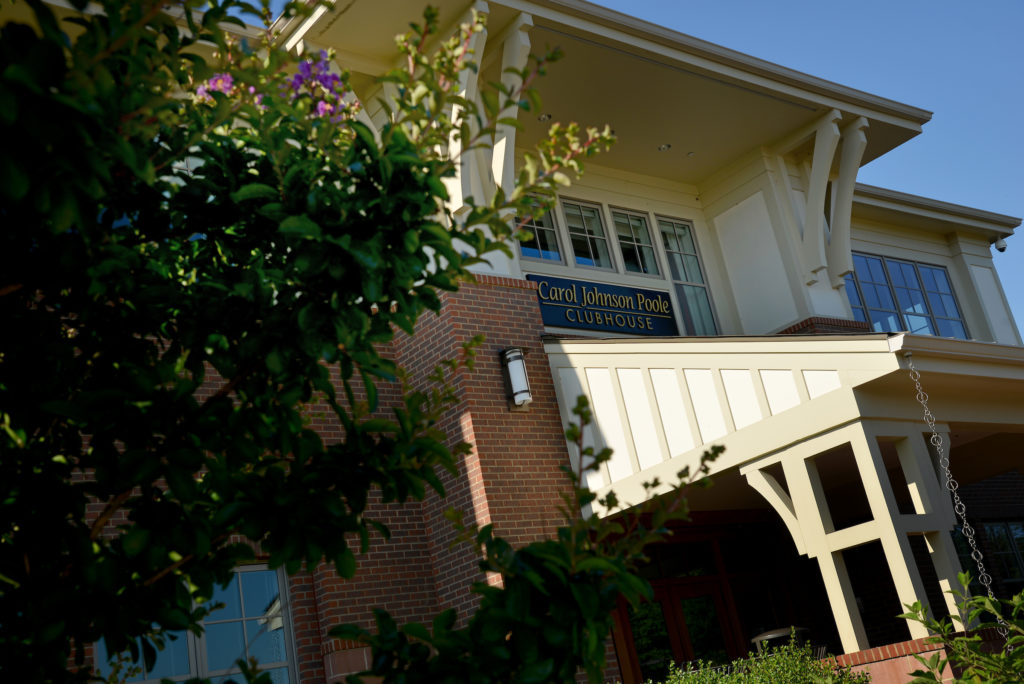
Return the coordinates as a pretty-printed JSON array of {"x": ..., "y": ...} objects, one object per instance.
[
  {"x": 544, "y": 244},
  {"x": 894, "y": 295},
  {"x": 1002, "y": 543},
  {"x": 586, "y": 232},
  {"x": 252, "y": 623},
  {"x": 635, "y": 243},
  {"x": 688, "y": 276}
]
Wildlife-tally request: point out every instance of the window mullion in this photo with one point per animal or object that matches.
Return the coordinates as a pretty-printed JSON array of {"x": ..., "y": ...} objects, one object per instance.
[
  {"x": 924, "y": 296},
  {"x": 895, "y": 296},
  {"x": 863, "y": 301},
  {"x": 196, "y": 652}
]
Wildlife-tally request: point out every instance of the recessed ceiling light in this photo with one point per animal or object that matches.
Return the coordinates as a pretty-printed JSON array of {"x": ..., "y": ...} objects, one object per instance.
[
  {"x": 544, "y": 117},
  {"x": 664, "y": 147}
]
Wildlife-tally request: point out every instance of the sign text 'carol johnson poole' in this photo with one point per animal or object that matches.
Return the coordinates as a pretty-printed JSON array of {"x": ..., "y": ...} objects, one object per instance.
[{"x": 568, "y": 303}]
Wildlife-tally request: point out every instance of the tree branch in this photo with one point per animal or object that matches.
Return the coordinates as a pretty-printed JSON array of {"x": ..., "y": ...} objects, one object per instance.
[{"x": 108, "y": 512}]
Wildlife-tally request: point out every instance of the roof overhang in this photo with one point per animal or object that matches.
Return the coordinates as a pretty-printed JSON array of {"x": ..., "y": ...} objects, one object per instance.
[
  {"x": 653, "y": 86},
  {"x": 888, "y": 206}
]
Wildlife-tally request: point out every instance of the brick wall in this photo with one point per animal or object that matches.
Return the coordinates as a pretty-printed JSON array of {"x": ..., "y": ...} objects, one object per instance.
[
  {"x": 821, "y": 325},
  {"x": 510, "y": 478}
]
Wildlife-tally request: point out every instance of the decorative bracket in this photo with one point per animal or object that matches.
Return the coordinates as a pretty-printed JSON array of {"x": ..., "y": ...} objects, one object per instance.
[
  {"x": 767, "y": 486},
  {"x": 840, "y": 257},
  {"x": 826, "y": 138}
]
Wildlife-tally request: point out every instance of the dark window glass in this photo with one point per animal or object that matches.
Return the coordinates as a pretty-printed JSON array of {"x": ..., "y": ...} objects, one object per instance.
[
  {"x": 586, "y": 232},
  {"x": 685, "y": 268},
  {"x": 250, "y": 623},
  {"x": 635, "y": 243},
  {"x": 544, "y": 244},
  {"x": 894, "y": 295}
]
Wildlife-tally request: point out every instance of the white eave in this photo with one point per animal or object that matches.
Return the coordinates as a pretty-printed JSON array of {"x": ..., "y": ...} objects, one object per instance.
[
  {"x": 882, "y": 204},
  {"x": 647, "y": 31}
]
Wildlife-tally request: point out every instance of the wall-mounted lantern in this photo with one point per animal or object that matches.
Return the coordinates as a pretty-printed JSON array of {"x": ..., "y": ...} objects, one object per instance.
[{"x": 518, "y": 384}]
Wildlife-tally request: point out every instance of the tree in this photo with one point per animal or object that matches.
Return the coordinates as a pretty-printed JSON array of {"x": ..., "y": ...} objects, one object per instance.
[{"x": 186, "y": 208}]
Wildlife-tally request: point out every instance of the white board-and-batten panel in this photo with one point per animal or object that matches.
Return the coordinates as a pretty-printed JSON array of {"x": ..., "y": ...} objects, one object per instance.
[
  {"x": 742, "y": 397},
  {"x": 710, "y": 421},
  {"x": 648, "y": 415},
  {"x": 608, "y": 422},
  {"x": 641, "y": 420},
  {"x": 571, "y": 383}
]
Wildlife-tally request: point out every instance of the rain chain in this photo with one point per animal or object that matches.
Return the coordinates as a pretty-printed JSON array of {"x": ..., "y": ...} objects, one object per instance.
[{"x": 952, "y": 486}]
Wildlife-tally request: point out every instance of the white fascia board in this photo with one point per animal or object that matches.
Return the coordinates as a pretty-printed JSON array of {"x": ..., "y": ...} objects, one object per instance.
[
  {"x": 736, "y": 66},
  {"x": 731, "y": 344},
  {"x": 935, "y": 210},
  {"x": 943, "y": 348},
  {"x": 291, "y": 30}
]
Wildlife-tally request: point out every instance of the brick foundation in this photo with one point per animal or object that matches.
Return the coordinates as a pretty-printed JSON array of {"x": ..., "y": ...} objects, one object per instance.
[
  {"x": 820, "y": 325},
  {"x": 893, "y": 663}
]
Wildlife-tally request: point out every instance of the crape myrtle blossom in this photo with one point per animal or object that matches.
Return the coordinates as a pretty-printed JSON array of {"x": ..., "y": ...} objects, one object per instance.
[
  {"x": 224, "y": 83},
  {"x": 313, "y": 80}
]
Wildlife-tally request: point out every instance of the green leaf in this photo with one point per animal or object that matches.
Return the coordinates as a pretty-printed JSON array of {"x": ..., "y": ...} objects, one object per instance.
[
  {"x": 539, "y": 671},
  {"x": 276, "y": 363},
  {"x": 134, "y": 541},
  {"x": 14, "y": 182},
  {"x": 417, "y": 631},
  {"x": 300, "y": 226},
  {"x": 254, "y": 191},
  {"x": 345, "y": 563}
]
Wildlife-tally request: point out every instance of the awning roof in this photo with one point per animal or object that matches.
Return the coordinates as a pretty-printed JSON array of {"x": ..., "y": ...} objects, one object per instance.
[{"x": 659, "y": 403}]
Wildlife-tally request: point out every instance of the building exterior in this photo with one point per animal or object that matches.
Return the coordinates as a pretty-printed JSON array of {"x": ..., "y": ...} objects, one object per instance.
[{"x": 719, "y": 277}]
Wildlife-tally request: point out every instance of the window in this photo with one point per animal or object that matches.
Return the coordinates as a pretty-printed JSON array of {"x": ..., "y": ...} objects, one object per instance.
[
  {"x": 586, "y": 233},
  {"x": 894, "y": 295},
  {"x": 1002, "y": 543},
  {"x": 544, "y": 244},
  {"x": 253, "y": 623},
  {"x": 635, "y": 243},
  {"x": 691, "y": 288}
]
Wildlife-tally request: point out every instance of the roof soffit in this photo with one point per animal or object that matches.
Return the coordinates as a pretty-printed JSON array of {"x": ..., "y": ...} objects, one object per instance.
[
  {"x": 653, "y": 86},
  {"x": 889, "y": 206}
]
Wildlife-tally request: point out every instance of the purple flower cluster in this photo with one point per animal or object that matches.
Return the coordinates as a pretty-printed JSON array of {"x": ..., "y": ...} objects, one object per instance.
[
  {"x": 219, "y": 83},
  {"x": 225, "y": 83},
  {"x": 315, "y": 79}
]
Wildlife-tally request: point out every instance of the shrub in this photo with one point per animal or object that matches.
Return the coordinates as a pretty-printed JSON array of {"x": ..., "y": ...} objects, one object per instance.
[
  {"x": 792, "y": 663},
  {"x": 968, "y": 654}
]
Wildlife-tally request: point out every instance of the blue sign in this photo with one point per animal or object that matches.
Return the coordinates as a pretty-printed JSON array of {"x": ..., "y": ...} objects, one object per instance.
[{"x": 568, "y": 303}]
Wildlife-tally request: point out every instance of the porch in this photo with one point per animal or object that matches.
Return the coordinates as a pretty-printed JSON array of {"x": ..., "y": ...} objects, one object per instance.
[{"x": 825, "y": 444}]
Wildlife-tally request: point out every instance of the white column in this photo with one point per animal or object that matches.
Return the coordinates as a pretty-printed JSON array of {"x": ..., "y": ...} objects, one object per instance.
[
  {"x": 947, "y": 565},
  {"x": 843, "y": 602},
  {"x": 808, "y": 497},
  {"x": 892, "y": 534}
]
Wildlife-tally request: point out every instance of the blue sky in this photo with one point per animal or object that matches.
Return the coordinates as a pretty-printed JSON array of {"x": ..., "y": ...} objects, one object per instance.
[{"x": 963, "y": 61}]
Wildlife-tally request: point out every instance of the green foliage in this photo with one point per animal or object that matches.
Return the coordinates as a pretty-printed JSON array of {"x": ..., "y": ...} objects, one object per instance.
[
  {"x": 179, "y": 210},
  {"x": 792, "y": 663},
  {"x": 551, "y": 615},
  {"x": 970, "y": 657}
]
